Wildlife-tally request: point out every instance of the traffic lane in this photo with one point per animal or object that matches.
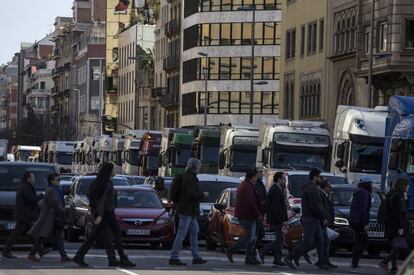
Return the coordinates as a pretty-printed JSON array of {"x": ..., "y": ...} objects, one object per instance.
[{"x": 156, "y": 262}]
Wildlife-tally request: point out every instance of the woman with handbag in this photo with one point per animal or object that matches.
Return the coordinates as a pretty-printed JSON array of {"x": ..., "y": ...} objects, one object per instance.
[
  {"x": 397, "y": 227},
  {"x": 49, "y": 222},
  {"x": 102, "y": 204}
]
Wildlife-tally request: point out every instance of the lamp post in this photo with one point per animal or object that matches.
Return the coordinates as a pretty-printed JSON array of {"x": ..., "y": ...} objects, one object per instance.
[
  {"x": 137, "y": 59},
  {"x": 371, "y": 57},
  {"x": 251, "y": 8},
  {"x": 205, "y": 71}
]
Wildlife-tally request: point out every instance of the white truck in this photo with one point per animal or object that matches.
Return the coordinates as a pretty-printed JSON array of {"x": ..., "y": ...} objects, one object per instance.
[
  {"x": 238, "y": 149},
  {"x": 358, "y": 142},
  {"x": 104, "y": 149},
  {"x": 132, "y": 144},
  {"x": 60, "y": 153},
  {"x": 293, "y": 145},
  {"x": 3, "y": 149},
  {"x": 77, "y": 159},
  {"x": 90, "y": 151},
  {"x": 28, "y": 153},
  {"x": 118, "y": 152}
]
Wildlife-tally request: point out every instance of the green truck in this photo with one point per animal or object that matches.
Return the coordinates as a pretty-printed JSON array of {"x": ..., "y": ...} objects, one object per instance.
[{"x": 206, "y": 147}]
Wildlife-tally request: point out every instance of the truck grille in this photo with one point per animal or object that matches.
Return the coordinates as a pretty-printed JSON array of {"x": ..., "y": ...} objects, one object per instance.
[{"x": 7, "y": 214}]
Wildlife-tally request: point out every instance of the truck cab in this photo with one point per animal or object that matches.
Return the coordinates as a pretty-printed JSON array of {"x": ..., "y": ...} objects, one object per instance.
[
  {"x": 90, "y": 150},
  {"x": 131, "y": 152},
  {"x": 76, "y": 159},
  {"x": 175, "y": 151},
  {"x": 206, "y": 147},
  {"x": 61, "y": 155},
  {"x": 27, "y": 153},
  {"x": 358, "y": 141},
  {"x": 293, "y": 145},
  {"x": 238, "y": 150},
  {"x": 149, "y": 153},
  {"x": 104, "y": 149},
  {"x": 118, "y": 153}
]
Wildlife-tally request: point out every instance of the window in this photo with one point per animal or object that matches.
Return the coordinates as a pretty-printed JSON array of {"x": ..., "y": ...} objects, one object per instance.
[
  {"x": 302, "y": 41},
  {"x": 247, "y": 34},
  {"x": 289, "y": 96},
  {"x": 310, "y": 97},
  {"x": 367, "y": 39},
  {"x": 382, "y": 36},
  {"x": 321, "y": 33},
  {"x": 409, "y": 34},
  {"x": 192, "y": 6},
  {"x": 290, "y": 44},
  {"x": 42, "y": 85},
  {"x": 312, "y": 38},
  {"x": 189, "y": 104},
  {"x": 225, "y": 34},
  {"x": 225, "y": 68},
  {"x": 214, "y": 34}
]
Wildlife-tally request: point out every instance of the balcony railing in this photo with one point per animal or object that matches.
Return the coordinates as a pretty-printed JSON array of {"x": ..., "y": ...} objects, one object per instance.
[
  {"x": 158, "y": 92},
  {"x": 171, "y": 63},
  {"x": 169, "y": 100},
  {"x": 171, "y": 28}
]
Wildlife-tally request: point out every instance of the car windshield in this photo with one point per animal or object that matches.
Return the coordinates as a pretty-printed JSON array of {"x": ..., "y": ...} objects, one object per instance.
[
  {"x": 11, "y": 176},
  {"x": 210, "y": 154},
  {"x": 215, "y": 188},
  {"x": 138, "y": 199},
  {"x": 64, "y": 158},
  {"x": 299, "y": 161},
  {"x": 83, "y": 186},
  {"x": 297, "y": 182},
  {"x": 183, "y": 154},
  {"x": 366, "y": 158},
  {"x": 152, "y": 163},
  {"x": 343, "y": 197},
  {"x": 133, "y": 156},
  {"x": 242, "y": 159}
]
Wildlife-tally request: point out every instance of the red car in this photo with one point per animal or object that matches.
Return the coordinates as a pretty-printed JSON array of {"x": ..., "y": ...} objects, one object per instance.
[{"x": 142, "y": 216}]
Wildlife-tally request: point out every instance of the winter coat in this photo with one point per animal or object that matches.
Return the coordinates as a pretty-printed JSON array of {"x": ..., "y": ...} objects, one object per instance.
[
  {"x": 247, "y": 202},
  {"x": 261, "y": 194},
  {"x": 327, "y": 207},
  {"x": 190, "y": 196},
  {"x": 398, "y": 214},
  {"x": 360, "y": 208},
  {"x": 276, "y": 206},
  {"x": 46, "y": 224},
  {"x": 27, "y": 209},
  {"x": 312, "y": 203},
  {"x": 107, "y": 202}
]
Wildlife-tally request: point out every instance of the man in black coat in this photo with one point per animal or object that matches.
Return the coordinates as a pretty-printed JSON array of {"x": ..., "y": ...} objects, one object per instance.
[
  {"x": 276, "y": 217},
  {"x": 26, "y": 211}
]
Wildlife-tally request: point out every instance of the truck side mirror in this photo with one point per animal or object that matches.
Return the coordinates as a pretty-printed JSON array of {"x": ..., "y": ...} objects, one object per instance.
[
  {"x": 222, "y": 160},
  {"x": 340, "y": 150}
]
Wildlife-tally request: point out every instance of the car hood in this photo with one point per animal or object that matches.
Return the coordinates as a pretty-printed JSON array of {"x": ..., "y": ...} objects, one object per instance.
[
  {"x": 343, "y": 211},
  {"x": 145, "y": 213}
]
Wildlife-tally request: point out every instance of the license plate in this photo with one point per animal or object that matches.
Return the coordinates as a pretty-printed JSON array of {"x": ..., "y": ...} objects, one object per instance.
[
  {"x": 372, "y": 234},
  {"x": 138, "y": 232},
  {"x": 269, "y": 238},
  {"x": 10, "y": 226}
]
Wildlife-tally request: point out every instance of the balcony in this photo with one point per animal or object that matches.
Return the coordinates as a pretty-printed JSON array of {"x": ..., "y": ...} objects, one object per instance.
[
  {"x": 56, "y": 54},
  {"x": 57, "y": 71},
  {"x": 172, "y": 28},
  {"x": 171, "y": 63},
  {"x": 158, "y": 92},
  {"x": 169, "y": 100}
]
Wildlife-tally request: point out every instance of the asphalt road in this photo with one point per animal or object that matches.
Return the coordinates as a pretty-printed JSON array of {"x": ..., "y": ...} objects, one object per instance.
[{"x": 155, "y": 261}]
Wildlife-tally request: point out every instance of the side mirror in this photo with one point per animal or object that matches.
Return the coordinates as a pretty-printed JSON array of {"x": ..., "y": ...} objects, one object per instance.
[
  {"x": 222, "y": 160},
  {"x": 219, "y": 206},
  {"x": 340, "y": 163},
  {"x": 340, "y": 150}
]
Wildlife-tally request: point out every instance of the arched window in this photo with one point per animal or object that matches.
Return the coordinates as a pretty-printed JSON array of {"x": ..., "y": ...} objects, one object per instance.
[
  {"x": 348, "y": 34},
  {"x": 346, "y": 89},
  {"x": 338, "y": 37},
  {"x": 343, "y": 31},
  {"x": 353, "y": 33},
  {"x": 302, "y": 100},
  {"x": 318, "y": 99},
  {"x": 311, "y": 99},
  {"x": 306, "y": 99}
]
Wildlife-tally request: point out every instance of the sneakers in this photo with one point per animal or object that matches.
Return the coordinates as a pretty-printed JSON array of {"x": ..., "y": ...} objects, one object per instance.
[
  {"x": 259, "y": 256},
  {"x": 199, "y": 261},
  {"x": 176, "y": 262},
  {"x": 80, "y": 262},
  {"x": 229, "y": 255},
  {"x": 356, "y": 270},
  {"x": 288, "y": 262},
  {"x": 65, "y": 259},
  {"x": 33, "y": 258},
  {"x": 8, "y": 255}
]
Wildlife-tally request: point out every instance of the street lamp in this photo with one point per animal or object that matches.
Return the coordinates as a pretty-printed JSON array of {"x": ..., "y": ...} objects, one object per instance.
[
  {"x": 251, "y": 8},
  {"x": 137, "y": 59},
  {"x": 205, "y": 71}
]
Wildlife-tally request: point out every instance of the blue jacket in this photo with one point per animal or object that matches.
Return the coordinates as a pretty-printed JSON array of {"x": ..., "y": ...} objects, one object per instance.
[{"x": 360, "y": 207}]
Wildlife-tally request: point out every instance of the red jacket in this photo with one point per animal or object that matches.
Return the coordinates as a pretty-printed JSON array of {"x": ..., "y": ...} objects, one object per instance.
[{"x": 247, "y": 202}]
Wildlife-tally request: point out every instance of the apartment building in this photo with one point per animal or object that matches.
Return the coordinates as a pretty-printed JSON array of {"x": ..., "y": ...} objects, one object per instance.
[{"x": 216, "y": 56}]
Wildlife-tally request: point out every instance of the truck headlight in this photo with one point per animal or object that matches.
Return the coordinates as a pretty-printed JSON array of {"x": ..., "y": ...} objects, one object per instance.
[
  {"x": 233, "y": 219},
  {"x": 341, "y": 221}
]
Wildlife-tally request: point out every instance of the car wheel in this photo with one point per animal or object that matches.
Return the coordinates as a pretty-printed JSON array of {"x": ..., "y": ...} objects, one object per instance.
[
  {"x": 73, "y": 236},
  {"x": 167, "y": 245},
  {"x": 373, "y": 252},
  {"x": 210, "y": 244}
]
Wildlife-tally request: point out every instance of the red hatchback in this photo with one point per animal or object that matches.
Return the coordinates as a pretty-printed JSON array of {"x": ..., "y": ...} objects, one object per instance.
[{"x": 142, "y": 216}]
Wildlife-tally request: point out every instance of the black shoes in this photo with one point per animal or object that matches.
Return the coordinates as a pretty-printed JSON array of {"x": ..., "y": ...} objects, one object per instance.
[
  {"x": 8, "y": 255},
  {"x": 79, "y": 261},
  {"x": 278, "y": 263},
  {"x": 288, "y": 262},
  {"x": 251, "y": 262},
  {"x": 199, "y": 261},
  {"x": 229, "y": 255},
  {"x": 307, "y": 258},
  {"x": 326, "y": 266},
  {"x": 114, "y": 263},
  {"x": 176, "y": 262},
  {"x": 126, "y": 263},
  {"x": 45, "y": 251}
]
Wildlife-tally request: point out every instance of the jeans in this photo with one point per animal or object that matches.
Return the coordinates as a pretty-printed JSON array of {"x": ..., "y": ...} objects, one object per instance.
[
  {"x": 360, "y": 242},
  {"x": 59, "y": 243},
  {"x": 108, "y": 225},
  {"x": 260, "y": 233},
  {"x": 186, "y": 223},
  {"x": 324, "y": 255},
  {"x": 277, "y": 244},
  {"x": 312, "y": 235},
  {"x": 21, "y": 229},
  {"x": 249, "y": 240}
]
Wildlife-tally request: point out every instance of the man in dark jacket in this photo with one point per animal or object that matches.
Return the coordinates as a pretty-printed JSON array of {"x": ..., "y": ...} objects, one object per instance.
[
  {"x": 276, "y": 217},
  {"x": 313, "y": 218},
  {"x": 26, "y": 212},
  {"x": 248, "y": 213},
  {"x": 261, "y": 194},
  {"x": 188, "y": 208},
  {"x": 359, "y": 218}
]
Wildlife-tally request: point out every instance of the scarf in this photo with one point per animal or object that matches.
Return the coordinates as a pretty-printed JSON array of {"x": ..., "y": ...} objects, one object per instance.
[{"x": 59, "y": 191}]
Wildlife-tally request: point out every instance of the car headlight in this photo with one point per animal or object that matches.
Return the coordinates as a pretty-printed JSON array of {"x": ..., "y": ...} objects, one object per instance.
[
  {"x": 341, "y": 221},
  {"x": 163, "y": 221},
  {"x": 233, "y": 219}
]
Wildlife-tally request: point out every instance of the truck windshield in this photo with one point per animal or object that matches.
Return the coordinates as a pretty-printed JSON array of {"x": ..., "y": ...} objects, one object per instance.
[
  {"x": 182, "y": 155},
  {"x": 210, "y": 154},
  {"x": 11, "y": 176},
  {"x": 152, "y": 162},
  {"x": 24, "y": 155},
  {"x": 64, "y": 158},
  {"x": 297, "y": 182},
  {"x": 366, "y": 158},
  {"x": 299, "y": 161},
  {"x": 133, "y": 156},
  {"x": 242, "y": 159},
  {"x": 105, "y": 156}
]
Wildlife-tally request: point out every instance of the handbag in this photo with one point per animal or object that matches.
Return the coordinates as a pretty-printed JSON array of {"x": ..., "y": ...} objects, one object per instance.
[{"x": 400, "y": 243}]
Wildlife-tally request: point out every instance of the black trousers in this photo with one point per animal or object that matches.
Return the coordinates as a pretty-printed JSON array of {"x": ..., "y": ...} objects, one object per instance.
[
  {"x": 277, "y": 244},
  {"x": 393, "y": 256},
  {"x": 260, "y": 234},
  {"x": 20, "y": 230},
  {"x": 103, "y": 232},
  {"x": 360, "y": 243}
]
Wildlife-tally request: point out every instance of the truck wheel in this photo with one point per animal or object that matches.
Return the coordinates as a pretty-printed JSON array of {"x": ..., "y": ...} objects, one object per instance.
[
  {"x": 73, "y": 236},
  {"x": 211, "y": 245}
]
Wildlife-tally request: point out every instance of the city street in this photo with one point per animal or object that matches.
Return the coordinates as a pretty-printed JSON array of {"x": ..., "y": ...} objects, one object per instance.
[{"x": 154, "y": 262}]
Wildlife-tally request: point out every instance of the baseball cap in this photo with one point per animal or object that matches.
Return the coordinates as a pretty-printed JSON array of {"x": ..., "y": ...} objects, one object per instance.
[{"x": 366, "y": 178}]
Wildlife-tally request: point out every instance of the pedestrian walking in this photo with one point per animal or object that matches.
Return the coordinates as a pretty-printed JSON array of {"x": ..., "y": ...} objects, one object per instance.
[
  {"x": 187, "y": 202},
  {"x": 48, "y": 224},
  {"x": 26, "y": 213},
  {"x": 260, "y": 230},
  {"x": 248, "y": 213},
  {"x": 313, "y": 218},
  {"x": 102, "y": 204},
  {"x": 277, "y": 218},
  {"x": 359, "y": 218},
  {"x": 396, "y": 228}
]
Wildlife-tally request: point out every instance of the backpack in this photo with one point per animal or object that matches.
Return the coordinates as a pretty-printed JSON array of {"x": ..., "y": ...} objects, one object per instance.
[
  {"x": 176, "y": 188},
  {"x": 384, "y": 211}
]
